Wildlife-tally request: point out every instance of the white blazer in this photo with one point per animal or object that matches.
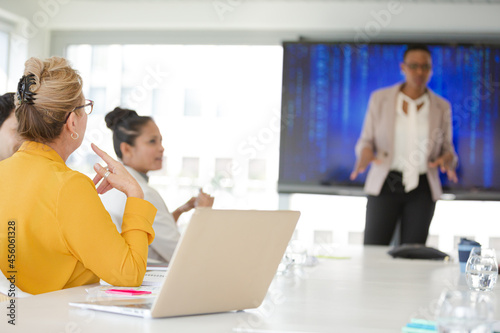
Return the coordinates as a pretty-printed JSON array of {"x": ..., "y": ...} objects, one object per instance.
[{"x": 378, "y": 134}]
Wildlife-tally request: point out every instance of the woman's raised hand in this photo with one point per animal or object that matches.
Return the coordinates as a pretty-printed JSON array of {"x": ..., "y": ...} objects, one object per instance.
[
  {"x": 114, "y": 175},
  {"x": 204, "y": 200}
]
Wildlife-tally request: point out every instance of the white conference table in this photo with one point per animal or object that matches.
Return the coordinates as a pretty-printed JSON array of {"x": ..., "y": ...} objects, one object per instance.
[{"x": 370, "y": 292}]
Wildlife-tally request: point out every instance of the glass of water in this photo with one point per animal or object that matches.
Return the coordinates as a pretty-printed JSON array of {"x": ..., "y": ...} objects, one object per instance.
[
  {"x": 481, "y": 271},
  {"x": 465, "y": 312}
]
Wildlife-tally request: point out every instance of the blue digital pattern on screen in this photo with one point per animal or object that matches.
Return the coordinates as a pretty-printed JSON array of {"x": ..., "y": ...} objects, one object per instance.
[{"x": 326, "y": 88}]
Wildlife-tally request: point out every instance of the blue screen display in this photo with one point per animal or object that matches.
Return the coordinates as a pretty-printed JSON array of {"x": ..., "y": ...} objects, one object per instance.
[{"x": 326, "y": 88}]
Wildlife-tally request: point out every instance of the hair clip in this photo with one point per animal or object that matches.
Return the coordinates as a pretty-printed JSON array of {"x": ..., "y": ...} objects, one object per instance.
[{"x": 24, "y": 94}]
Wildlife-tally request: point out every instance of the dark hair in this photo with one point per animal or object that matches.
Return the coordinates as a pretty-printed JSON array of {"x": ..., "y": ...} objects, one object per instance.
[
  {"x": 7, "y": 106},
  {"x": 416, "y": 47},
  {"x": 47, "y": 92},
  {"x": 126, "y": 126}
]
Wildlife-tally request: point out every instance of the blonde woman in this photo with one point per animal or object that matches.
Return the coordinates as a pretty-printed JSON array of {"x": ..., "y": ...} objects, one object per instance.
[{"x": 58, "y": 231}]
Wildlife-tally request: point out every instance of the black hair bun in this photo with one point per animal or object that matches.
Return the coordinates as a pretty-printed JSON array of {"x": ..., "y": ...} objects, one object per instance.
[
  {"x": 6, "y": 106},
  {"x": 118, "y": 115}
]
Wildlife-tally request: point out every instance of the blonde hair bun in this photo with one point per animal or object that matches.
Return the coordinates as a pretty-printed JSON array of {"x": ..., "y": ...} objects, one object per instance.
[{"x": 57, "y": 90}]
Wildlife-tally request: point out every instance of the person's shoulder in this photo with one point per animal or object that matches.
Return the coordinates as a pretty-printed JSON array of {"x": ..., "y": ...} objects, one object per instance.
[
  {"x": 69, "y": 175},
  {"x": 73, "y": 185},
  {"x": 380, "y": 97},
  {"x": 386, "y": 90},
  {"x": 439, "y": 100}
]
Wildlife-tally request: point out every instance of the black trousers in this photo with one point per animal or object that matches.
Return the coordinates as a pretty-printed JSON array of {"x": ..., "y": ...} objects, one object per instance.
[{"x": 414, "y": 210}]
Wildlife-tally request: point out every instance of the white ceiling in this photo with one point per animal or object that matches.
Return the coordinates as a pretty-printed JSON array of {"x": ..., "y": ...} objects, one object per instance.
[{"x": 367, "y": 1}]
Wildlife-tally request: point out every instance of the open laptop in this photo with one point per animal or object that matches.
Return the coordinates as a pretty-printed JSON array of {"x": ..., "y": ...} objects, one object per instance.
[{"x": 225, "y": 261}]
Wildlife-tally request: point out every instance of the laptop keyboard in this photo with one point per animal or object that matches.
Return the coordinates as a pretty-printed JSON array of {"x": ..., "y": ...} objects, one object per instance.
[
  {"x": 153, "y": 278},
  {"x": 146, "y": 306}
]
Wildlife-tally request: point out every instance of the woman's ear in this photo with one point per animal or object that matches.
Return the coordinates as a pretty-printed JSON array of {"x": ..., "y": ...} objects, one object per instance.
[
  {"x": 71, "y": 122},
  {"x": 126, "y": 150},
  {"x": 402, "y": 68}
]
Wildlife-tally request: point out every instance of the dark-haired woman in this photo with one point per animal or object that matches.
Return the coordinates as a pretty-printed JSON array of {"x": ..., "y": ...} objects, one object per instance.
[
  {"x": 54, "y": 230},
  {"x": 406, "y": 137},
  {"x": 138, "y": 143},
  {"x": 9, "y": 140}
]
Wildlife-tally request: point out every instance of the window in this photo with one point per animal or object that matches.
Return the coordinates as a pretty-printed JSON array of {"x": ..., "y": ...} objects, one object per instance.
[
  {"x": 13, "y": 54},
  {"x": 203, "y": 99},
  {"x": 98, "y": 95},
  {"x": 190, "y": 167},
  {"x": 193, "y": 102},
  {"x": 160, "y": 101},
  {"x": 99, "y": 59},
  {"x": 4, "y": 61},
  {"x": 223, "y": 178},
  {"x": 257, "y": 169},
  {"x": 223, "y": 167}
]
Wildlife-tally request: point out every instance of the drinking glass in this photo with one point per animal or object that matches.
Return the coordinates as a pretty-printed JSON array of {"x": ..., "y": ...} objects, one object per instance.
[
  {"x": 481, "y": 271},
  {"x": 297, "y": 252},
  {"x": 464, "y": 312},
  {"x": 294, "y": 259}
]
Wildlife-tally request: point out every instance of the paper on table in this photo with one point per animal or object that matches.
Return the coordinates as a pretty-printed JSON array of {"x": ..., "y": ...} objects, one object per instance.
[
  {"x": 100, "y": 291},
  {"x": 127, "y": 292}
]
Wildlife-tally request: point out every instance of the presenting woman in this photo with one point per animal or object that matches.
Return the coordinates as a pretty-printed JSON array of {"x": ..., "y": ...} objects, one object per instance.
[
  {"x": 137, "y": 142},
  {"x": 406, "y": 137},
  {"x": 54, "y": 230}
]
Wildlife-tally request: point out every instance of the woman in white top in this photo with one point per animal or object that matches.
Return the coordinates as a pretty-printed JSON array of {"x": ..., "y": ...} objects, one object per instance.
[
  {"x": 406, "y": 137},
  {"x": 138, "y": 144}
]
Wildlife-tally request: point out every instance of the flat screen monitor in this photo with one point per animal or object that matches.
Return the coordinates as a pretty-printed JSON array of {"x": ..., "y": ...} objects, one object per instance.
[{"x": 326, "y": 88}]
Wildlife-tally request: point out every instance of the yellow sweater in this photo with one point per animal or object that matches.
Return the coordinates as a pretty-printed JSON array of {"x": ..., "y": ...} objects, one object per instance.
[{"x": 55, "y": 232}]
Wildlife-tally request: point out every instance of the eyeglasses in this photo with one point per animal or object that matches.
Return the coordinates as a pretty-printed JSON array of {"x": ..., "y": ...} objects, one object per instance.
[
  {"x": 87, "y": 107},
  {"x": 423, "y": 67}
]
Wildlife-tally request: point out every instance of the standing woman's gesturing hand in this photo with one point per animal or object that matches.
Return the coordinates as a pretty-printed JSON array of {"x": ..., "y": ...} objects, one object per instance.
[
  {"x": 445, "y": 164},
  {"x": 367, "y": 157},
  {"x": 115, "y": 176}
]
